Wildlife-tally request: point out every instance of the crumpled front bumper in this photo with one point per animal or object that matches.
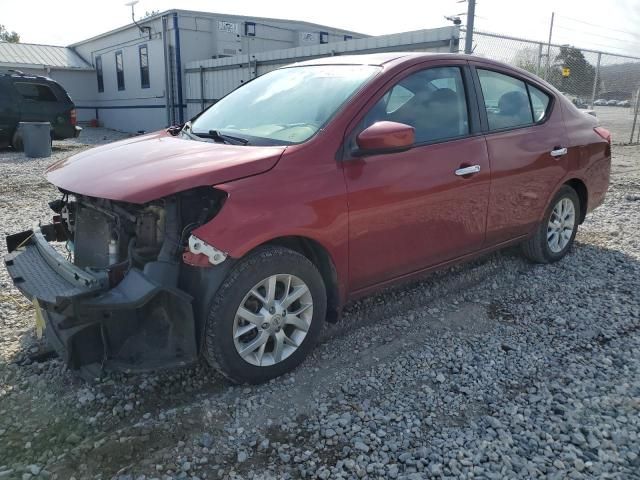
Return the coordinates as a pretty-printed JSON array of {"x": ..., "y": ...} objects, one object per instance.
[{"x": 137, "y": 325}]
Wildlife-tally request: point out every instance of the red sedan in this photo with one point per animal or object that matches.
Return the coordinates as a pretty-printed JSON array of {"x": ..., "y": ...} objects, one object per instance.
[{"x": 237, "y": 234}]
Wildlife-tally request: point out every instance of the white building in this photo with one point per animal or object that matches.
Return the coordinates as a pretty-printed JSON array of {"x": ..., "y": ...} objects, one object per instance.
[
  {"x": 132, "y": 78},
  {"x": 166, "y": 68}
]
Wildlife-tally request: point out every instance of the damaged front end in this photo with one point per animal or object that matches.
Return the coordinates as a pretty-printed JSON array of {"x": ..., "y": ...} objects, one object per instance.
[{"x": 118, "y": 292}]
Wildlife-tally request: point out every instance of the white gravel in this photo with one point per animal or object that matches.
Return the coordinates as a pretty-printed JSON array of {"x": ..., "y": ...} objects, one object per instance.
[{"x": 492, "y": 370}]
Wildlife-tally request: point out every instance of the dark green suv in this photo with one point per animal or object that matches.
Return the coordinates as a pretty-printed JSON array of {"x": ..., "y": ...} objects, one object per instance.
[{"x": 25, "y": 98}]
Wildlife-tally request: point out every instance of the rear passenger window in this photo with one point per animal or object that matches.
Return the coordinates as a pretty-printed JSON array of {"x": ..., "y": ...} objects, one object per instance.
[
  {"x": 36, "y": 92},
  {"x": 506, "y": 100},
  {"x": 432, "y": 101},
  {"x": 539, "y": 102}
]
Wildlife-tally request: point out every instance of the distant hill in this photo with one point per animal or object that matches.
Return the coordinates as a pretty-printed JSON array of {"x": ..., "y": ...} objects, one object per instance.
[{"x": 623, "y": 79}]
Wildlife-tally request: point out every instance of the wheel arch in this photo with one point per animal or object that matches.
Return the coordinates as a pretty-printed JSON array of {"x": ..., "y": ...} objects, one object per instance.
[
  {"x": 583, "y": 195},
  {"x": 320, "y": 257}
]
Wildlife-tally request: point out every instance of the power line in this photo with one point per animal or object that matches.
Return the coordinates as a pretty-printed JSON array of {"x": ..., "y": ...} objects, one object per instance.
[
  {"x": 632, "y": 42},
  {"x": 558, "y": 31},
  {"x": 621, "y": 51},
  {"x": 497, "y": 38},
  {"x": 601, "y": 26}
]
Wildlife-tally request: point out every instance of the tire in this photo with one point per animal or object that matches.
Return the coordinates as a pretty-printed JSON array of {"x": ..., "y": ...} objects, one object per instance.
[
  {"x": 16, "y": 142},
  {"x": 223, "y": 342},
  {"x": 542, "y": 247}
]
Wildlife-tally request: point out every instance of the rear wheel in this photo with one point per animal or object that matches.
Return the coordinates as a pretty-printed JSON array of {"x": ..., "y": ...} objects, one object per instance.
[
  {"x": 556, "y": 233},
  {"x": 266, "y": 316}
]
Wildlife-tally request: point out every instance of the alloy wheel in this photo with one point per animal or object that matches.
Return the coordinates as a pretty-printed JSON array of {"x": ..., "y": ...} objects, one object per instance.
[
  {"x": 561, "y": 224},
  {"x": 272, "y": 320}
]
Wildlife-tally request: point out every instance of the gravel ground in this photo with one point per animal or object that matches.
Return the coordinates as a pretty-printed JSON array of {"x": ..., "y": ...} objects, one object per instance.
[{"x": 492, "y": 370}]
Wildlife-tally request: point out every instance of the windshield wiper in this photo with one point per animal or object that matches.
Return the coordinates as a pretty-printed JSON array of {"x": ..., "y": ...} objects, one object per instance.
[
  {"x": 216, "y": 136},
  {"x": 224, "y": 137}
]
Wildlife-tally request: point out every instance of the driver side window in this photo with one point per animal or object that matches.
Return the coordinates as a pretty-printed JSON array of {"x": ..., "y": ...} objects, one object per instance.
[{"x": 432, "y": 101}]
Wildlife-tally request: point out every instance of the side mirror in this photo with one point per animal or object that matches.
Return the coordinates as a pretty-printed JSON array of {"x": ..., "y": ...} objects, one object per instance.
[{"x": 384, "y": 137}]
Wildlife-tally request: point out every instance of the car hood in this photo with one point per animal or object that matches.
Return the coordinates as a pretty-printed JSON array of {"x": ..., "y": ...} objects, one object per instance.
[{"x": 148, "y": 167}]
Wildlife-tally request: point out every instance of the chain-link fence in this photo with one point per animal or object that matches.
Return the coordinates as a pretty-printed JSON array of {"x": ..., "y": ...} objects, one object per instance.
[{"x": 607, "y": 83}]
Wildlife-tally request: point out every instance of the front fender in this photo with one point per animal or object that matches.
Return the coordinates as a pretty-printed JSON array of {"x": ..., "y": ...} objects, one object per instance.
[{"x": 287, "y": 202}]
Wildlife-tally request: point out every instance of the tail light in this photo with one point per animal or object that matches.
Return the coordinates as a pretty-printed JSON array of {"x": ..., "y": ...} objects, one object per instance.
[
  {"x": 73, "y": 116},
  {"x": 604, "y": 133}
]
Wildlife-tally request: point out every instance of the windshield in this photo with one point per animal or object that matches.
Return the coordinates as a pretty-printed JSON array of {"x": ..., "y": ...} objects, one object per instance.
[{"x": 284, "y": 106}]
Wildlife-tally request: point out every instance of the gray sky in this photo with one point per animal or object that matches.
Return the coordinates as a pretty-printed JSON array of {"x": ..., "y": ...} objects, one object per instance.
[{"x": 610, "y": 26}]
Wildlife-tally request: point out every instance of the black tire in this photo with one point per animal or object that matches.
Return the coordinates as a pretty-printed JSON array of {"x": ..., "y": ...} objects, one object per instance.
[
  {"x": 220, "y": 350},
  {"x": 16, "y": 142},
  {"x": 537, "y": 247}
]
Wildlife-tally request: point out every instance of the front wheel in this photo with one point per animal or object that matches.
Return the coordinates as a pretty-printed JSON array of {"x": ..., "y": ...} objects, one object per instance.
[
  {"x": 266, "y": 316},
  {"x": 556, "y": 233}
]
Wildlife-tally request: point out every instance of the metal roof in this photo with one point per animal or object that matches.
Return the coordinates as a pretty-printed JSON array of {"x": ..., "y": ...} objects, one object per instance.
[
  {"x": 229, "y": 16},
  {"x": 29, "y": 55}
]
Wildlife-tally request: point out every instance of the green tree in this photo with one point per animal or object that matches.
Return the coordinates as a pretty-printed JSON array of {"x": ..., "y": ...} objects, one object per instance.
[
  {"x": 582, "y": 73},
  {"x": 7, "y": 36}
]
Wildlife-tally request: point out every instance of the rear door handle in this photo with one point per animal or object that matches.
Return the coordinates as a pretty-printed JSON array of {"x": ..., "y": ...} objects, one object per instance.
[
  {"x": 461, "y": 172},
  {"x": 558, "y": 152}
]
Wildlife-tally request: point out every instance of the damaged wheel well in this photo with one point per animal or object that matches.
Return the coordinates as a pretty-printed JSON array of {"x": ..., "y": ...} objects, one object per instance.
[{"x": 319, "y": 256}]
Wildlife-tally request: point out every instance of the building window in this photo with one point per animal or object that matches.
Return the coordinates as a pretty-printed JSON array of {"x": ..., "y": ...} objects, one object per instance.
[
  {"x": 119, "y": 70},
  {"x": 348, "y": 37},
  {"x": 144, "y": 66},
  {"x": 250, "y": 29},
  {"x": 324, "y": 37},
  {"x": 99, "y": 74}
]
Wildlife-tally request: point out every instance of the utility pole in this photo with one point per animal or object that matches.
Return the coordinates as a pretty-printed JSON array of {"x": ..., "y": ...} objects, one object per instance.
[
  {"x": 546, "y": 73},
  {"x": 595, "y": 80},
  {"x": 468, "y": 38}
]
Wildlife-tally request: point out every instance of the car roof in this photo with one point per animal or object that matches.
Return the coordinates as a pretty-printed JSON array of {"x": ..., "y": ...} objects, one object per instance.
[
  {"x": 381, "y": 58},
  {"x": 25, "y": 77},
  {"x": 365, "y": 59},
  {"x": 398, "y": 58}
]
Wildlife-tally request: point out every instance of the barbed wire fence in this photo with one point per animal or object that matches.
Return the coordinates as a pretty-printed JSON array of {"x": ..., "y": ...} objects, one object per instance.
[{"x": 607, "y": 83}]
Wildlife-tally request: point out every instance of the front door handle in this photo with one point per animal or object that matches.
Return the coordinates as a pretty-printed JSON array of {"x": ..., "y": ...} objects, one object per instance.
[
  {"x": 464, "y": 171},
  {"x": 558, "y": 152}
]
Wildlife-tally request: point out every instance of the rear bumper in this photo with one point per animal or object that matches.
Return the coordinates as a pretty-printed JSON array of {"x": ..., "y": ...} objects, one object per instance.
[
  {"x": 137, "y": 325},
  {"x": 60, "y": 132}
]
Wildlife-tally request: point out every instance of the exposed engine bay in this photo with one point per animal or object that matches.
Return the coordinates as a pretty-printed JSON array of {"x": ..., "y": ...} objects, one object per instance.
[
  {"x": 104, "y": 234},
  {"x": 123, "y": 299}
]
